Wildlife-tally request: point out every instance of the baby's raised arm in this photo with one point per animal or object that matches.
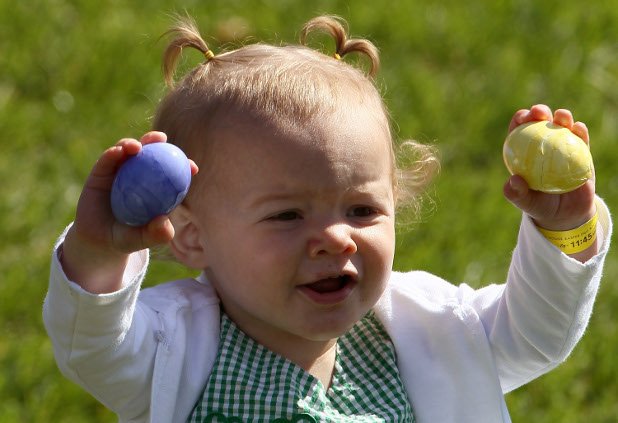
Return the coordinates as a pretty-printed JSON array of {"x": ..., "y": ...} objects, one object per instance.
[
  {"x": 554, "y": 212},
  {"x": 97, "y": 247}
]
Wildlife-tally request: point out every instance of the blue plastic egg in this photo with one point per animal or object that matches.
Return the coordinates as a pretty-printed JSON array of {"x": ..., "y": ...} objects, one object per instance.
[{"x": 150, "y": 184}]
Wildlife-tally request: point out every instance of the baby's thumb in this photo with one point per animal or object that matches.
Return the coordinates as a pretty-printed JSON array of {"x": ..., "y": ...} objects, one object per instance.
[
  {"x": 158, "y": 231},
  {"x": 129, "y": 239},
  {"x": 517, "y": 192}
]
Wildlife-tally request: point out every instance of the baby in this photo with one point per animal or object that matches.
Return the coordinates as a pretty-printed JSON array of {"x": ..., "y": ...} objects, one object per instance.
[{"x": 297, "y": 315}]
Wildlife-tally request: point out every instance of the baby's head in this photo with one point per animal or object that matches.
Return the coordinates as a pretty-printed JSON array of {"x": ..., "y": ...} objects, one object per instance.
[
  {"x": 291, "y": 216},
  {"x": 278, "y": 87}
]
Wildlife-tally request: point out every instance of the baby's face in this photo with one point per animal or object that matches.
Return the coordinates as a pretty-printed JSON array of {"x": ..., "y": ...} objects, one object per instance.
[{"x": 297, "y": 226}]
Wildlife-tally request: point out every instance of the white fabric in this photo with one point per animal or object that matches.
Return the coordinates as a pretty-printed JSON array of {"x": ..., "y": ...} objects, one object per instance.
[{"x": 147, "y": 355}]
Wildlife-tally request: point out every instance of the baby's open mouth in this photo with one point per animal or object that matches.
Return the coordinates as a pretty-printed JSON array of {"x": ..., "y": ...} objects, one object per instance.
[
  {"x": 329, "y": 285},
  {"x": 329, "y": 290}
]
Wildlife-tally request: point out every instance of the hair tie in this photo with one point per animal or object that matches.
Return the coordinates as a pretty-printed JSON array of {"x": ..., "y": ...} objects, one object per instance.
[
  {"x": 208, "y": 54},
  {"x": 337, "y": 56}
]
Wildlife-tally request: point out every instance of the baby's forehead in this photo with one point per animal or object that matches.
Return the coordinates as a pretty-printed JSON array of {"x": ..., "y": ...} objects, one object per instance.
[
  {"x": 347, "y": 147},
  {"x": 352, "y": 123},
  {"x": 312, "y": 157},
  {"x": 333, "y": 146}
]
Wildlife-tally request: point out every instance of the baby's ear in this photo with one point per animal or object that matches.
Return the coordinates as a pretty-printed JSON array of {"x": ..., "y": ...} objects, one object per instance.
[{"x": 187, "y": 244}]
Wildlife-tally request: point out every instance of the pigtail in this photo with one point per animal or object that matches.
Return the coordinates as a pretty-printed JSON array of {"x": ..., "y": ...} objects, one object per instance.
[
  {"x": 183, "y": 34},
  {"x": 337, "y": 28},
  {"x": 416, "y": 166}
]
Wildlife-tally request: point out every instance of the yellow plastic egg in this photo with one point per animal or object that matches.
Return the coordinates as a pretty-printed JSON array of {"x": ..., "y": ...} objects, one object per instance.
[{"x": 549, "y": 157}]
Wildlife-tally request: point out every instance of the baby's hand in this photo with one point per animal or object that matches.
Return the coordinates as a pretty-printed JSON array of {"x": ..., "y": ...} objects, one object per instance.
[
  {"x": 556, "y": 212},
  {"x": 96, "y": 248}
]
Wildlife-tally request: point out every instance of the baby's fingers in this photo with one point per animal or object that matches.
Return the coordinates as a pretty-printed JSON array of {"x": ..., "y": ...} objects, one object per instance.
[
  {"x": 581, "y": 130},
  {"x": 114, "y": 156},
  {"x": 158, "y": 231},
  {"x": 516, "y": 190},
  {"x": 104, "y": 170},
  {"x": 536, "y": 112},
  {"x": 129, "y": 238},
  {"x": 152, "y": 137},
  {"x": 564, "y": 117}
]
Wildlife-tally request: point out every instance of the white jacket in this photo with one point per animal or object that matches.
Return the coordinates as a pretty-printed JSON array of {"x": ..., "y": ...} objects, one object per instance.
[{"x": 147, "y": 355}]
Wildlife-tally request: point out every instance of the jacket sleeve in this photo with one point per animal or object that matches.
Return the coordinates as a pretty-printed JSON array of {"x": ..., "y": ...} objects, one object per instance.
[
  {"x": 103, "y": 342},
  {"x": 534, "y": 321}
]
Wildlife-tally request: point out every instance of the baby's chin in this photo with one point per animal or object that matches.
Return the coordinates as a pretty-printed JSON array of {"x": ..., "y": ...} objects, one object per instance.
[{"x": 324, "y": 330}]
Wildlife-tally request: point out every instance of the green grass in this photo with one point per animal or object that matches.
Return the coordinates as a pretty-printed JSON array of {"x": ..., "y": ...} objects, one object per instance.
[{"x": 75, "y": 76}]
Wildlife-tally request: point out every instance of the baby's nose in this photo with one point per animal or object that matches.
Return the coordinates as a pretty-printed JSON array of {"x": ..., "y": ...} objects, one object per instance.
[{"x": 332, "y": 239}]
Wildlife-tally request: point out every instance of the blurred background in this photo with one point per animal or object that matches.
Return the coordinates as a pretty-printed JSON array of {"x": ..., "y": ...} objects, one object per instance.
[{"x": 75, "y": 76}]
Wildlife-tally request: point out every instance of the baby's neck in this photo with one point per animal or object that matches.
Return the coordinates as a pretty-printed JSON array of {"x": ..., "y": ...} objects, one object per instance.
[
  {"x": 323, "y": 366},
  {"x": 316, "y": 357}
]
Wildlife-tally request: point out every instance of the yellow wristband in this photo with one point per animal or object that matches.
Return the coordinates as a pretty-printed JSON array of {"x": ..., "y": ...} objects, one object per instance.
[{"x": 574, "y": 240}]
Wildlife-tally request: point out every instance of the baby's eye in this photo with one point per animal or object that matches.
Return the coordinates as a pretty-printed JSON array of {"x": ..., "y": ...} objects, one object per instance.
[
  {"x": 286, "y": 216},
  {"x": 362, "y": 211}
]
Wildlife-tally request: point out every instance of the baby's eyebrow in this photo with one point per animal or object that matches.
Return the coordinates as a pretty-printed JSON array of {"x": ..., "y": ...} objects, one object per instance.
[
  {"x": 274, "y": 196},
  {"x": 262, "y": 195}
]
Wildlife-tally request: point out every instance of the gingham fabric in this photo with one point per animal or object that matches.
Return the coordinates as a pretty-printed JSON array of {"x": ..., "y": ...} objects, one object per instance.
[{"x": 251, "y": 384}]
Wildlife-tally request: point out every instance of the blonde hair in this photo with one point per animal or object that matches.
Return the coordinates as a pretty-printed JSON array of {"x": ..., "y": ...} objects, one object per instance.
[{"x": 278, "y": 85}]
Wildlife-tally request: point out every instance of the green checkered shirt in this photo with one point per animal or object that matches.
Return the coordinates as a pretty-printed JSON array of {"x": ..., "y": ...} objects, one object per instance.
[{"x": 251, "y": 384}]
